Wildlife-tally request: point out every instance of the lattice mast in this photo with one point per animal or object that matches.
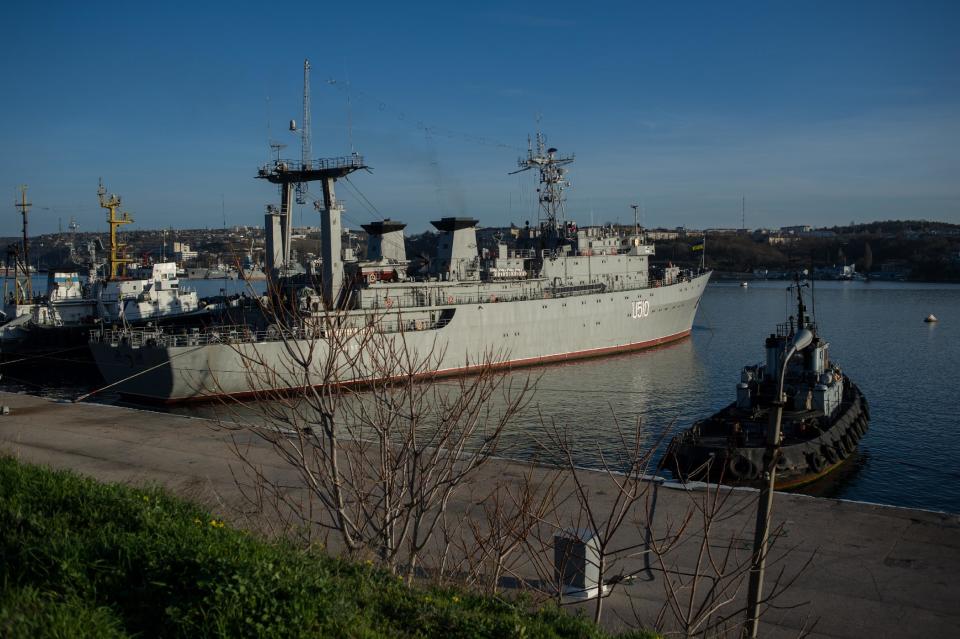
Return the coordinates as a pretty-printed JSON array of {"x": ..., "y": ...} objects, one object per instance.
[
  {"x": 553, "y": 181},
  {"x": 306, "y": 151},
  {"x": 23, "y": 287},
  {"x": 117, "y": 262}
]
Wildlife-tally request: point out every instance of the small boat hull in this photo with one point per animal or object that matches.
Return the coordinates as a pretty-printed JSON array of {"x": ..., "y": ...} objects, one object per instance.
[{"x": 697, "y": 455}]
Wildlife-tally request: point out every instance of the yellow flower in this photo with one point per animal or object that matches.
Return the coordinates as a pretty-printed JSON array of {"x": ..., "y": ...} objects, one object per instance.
[
  {"x": 456, "y": 599},
  {"x": 196, "y": 521},
  {"x": 145, "y": 498},
  {"x": 369, "y": 562},
  {"x": 427, "y": 599}
]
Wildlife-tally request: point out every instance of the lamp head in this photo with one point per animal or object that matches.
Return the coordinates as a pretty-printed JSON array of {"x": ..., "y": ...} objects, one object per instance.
[{"x": 802, "y": 339}]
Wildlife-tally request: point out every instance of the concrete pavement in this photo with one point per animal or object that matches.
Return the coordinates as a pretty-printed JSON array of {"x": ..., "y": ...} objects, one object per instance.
[{"x": 874, "y": 571}]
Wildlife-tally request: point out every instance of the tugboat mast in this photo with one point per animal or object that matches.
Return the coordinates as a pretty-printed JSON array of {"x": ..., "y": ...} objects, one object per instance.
[{"x": 801, "y": 309}]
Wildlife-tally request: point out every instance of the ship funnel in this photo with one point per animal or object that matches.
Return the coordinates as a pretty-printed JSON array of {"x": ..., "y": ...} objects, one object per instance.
[
  {"x": 385, "y": 241},
  {"x": 457, "y": 248}
]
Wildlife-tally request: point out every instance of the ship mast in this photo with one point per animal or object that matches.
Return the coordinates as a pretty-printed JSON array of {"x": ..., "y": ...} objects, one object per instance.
[
  {"x": 116, "y": 266},
  {"x": 23, "y": 287},
  {"x": 801, "y": 308},
  {"x": 553, "y": 181},
  {"x": 306, "y": 152},
  {"x": 293, "y": 178}
]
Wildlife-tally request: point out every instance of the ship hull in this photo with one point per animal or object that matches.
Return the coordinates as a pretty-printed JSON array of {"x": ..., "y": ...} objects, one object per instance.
[
  {"x": 691, "y": 458},
  {"x": 496, "y": 334}
]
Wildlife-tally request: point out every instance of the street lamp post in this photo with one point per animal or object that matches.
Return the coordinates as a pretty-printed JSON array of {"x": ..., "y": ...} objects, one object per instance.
[{"x": 801, "y": 340}]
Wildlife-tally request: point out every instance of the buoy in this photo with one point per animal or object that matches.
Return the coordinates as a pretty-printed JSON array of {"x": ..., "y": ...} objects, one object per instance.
[
  {"x": 931, "y": 318},
  {"x": 744, "y": 285}
]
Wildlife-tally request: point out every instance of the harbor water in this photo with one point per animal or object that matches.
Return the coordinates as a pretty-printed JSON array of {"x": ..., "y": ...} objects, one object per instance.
[{"x": 907, "y": 369}]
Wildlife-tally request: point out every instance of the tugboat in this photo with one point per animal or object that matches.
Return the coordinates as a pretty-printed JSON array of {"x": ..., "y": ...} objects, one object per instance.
[{"x": 823, "y": 418}]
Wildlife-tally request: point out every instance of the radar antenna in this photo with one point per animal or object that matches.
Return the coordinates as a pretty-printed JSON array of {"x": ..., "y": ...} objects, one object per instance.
[{"x": 553, "y": 181}]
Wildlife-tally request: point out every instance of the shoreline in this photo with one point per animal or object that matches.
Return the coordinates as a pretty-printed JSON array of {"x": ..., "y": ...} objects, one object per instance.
[{"x": 873, "y": 568}]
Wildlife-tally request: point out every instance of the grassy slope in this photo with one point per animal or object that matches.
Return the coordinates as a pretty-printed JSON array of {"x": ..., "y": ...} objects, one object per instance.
[{"x": 79, "y": 558}]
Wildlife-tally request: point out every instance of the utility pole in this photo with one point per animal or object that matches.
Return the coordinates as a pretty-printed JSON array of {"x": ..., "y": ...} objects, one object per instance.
[{"x": 636, "y": 218}]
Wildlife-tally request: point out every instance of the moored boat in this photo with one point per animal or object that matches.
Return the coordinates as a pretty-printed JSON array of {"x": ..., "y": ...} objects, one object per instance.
[
  {"x": 824, "y": 416},
  {"x": 561, "y": 292}
]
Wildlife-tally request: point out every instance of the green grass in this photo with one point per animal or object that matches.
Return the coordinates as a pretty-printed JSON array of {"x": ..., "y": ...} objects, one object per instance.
[{"x": 84, "y": 559}]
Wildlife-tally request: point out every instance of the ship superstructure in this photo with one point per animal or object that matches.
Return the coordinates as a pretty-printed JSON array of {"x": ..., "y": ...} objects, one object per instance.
[{"x": 562, "y": 292}]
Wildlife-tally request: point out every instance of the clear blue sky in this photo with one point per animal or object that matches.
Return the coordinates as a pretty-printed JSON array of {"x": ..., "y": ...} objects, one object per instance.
[{"x": 819, "y": 112}]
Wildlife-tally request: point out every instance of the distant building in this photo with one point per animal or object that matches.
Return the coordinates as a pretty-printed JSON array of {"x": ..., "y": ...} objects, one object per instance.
[
  {"x": 182, "y": 252},
  {"x": 796, "y": 230},
  {"x": 781, "y": 239},
  {"x": 661, "y": 234},
  {"x": 722, "y": 231}
]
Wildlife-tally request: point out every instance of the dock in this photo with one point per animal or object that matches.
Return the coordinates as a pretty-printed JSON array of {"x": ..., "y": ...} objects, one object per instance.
[{"x": 874, "y": 571}]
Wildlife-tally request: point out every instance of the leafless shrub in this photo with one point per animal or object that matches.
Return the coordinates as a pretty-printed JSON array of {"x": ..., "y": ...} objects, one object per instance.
[{"x": 371, "y": 451}]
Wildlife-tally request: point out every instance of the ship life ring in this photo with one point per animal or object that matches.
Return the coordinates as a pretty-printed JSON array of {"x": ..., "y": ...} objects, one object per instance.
[
  {"x": 742, "y": 468},
  {"x": 388, "y": 301},
  {"x": 816, "y": 461},
  {"x": 371, "y": 278},
  {"x": 449, "y": 299},
  {"x": 829, "y": 453}
]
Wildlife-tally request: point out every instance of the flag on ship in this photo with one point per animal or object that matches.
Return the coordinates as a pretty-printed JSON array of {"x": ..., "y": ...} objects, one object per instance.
[{"x": 697, "y": 247}]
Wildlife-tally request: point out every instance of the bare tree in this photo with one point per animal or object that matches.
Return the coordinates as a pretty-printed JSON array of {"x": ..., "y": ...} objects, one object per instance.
[
  {"x": 383, "y": 462},
  {"x": 376, "y": 449}
]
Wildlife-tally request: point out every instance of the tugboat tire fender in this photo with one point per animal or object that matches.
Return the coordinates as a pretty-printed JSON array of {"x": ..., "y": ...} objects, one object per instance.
[
  {"x": 848, "y": 442},
  {"x": 817, "y": 462},
  {"x": 829, "y": 453},
  {"x": 743, "y": 468},
  {"x": 841, "y": 449}
]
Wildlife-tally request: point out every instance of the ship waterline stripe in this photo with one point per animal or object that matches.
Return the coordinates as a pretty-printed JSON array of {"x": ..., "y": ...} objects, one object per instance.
[
  {"x": 570, "y": 355},
  {"x": 445, "y": 372}
]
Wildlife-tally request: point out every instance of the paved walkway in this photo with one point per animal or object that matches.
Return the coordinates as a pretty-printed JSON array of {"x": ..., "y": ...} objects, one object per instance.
[{"x": 875, "y": 571}]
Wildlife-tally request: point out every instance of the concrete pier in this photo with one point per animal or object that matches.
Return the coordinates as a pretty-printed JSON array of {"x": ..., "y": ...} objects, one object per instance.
[{"x": 874, "y": 571}]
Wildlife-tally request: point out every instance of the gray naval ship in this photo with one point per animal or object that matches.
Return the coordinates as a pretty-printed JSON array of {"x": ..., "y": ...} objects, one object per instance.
[{"x": 563, "y": 292}]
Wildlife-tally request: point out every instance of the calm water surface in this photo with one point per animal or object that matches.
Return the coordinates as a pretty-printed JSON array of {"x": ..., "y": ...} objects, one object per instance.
[{"x": 907, "y": 369}]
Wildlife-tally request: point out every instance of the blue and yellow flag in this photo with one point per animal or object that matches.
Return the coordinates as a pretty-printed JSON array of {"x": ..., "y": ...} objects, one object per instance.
[{"x": 697, "y": 247}]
